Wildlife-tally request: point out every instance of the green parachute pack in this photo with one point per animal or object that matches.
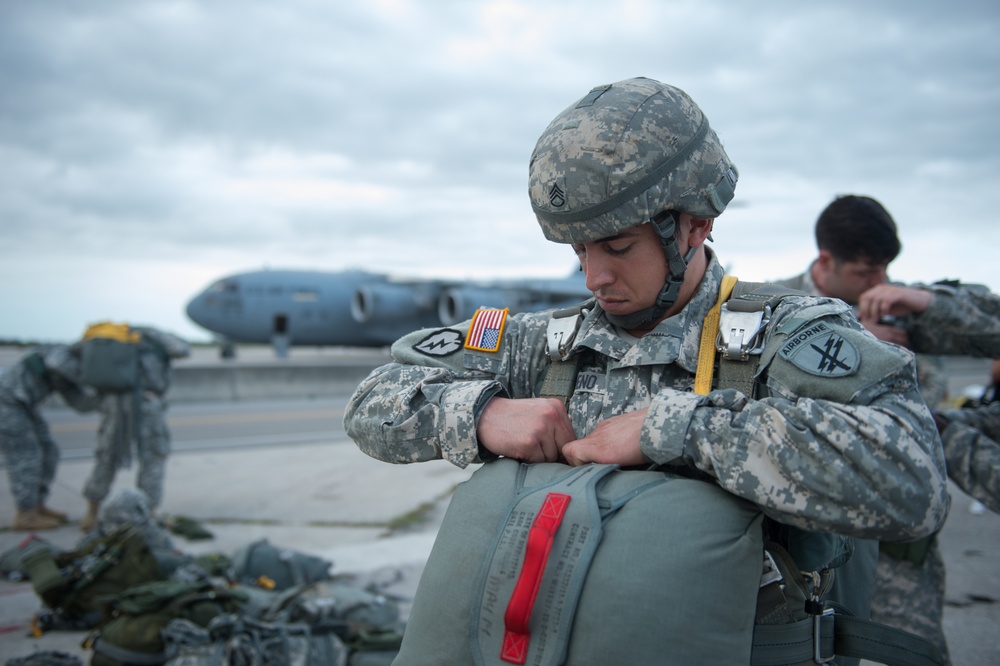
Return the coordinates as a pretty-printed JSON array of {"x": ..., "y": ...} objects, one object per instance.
[{"x": 109, "y": 357}]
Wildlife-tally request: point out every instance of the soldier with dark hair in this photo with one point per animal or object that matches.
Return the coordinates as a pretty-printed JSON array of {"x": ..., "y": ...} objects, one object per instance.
[
  {"x": 856, "y": 239},
  {"x": 30, "y": 452}
]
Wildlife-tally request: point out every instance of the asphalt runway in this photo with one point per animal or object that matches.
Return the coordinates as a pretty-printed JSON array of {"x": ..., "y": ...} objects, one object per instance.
[{"x": 217, "y": 425}]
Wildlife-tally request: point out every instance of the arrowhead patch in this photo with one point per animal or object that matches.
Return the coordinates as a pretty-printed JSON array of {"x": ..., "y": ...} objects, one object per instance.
[{"x": 443, "y": 342}]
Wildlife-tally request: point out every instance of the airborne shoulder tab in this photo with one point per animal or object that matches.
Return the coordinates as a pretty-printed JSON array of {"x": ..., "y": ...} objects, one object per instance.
[{"x": 486, "y": 329}]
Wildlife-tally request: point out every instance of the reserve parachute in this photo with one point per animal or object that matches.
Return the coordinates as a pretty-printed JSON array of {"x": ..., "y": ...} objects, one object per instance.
[{"x": 109, "y": 357}]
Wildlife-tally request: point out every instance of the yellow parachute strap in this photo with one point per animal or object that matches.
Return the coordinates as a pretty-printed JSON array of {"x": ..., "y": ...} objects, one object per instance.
[
  {"x": 709, "y": 334},
  {"x": 107, "y": 329}
]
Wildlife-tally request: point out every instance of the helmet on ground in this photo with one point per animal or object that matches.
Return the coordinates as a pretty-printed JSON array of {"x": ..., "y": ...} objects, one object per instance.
[
  {"x": 628, "y": 153},
  {"x": 622, "y": 154}
]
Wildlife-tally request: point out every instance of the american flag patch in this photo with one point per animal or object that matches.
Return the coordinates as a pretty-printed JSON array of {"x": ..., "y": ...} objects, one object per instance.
[{"x": 486, "y": 329}]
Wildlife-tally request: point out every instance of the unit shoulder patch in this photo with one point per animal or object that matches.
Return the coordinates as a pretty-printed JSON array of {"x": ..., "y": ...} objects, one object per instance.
[
  {"x": 486, "y": 329},
  {"x": 443, "y": 342},
  {"x": 822, "y": 351}
]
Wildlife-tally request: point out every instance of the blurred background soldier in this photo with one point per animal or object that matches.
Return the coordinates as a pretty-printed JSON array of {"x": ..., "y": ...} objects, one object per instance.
[
  {"x": 132, "y": 417},
  {"x": 971, "y": 440},
  {"x": 857, "y": 240},
  {"x": 30, "y": 453}
]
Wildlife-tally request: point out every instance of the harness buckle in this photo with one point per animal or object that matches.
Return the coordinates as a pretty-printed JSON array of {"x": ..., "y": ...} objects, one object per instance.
[
  {"x": 741, "y": 334},
  {"x": 561, "y": 332},
  {"x": 818, "y": 635}
]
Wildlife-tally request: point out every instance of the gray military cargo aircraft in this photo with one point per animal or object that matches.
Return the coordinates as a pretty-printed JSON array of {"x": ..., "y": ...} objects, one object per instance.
[{"x": 358, "y": 308}]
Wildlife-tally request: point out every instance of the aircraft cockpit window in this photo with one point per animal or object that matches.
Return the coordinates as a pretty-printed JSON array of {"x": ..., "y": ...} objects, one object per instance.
[
  {"x": 305, "y": 295},
  {"x": 226, "y": 287}
]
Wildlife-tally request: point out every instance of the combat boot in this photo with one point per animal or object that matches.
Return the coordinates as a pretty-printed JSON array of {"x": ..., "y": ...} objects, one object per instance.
[
  {"x": 33, "y": 519},
  {"x": 89, "y": 521},
  {"x": 52, "y": 513}
]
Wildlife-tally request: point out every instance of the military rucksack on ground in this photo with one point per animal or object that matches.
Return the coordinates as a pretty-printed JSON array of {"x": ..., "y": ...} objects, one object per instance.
[
  {"x": 74, "y": 582},
  {"x": 325, "y": 622},
  {"x": 109, "y": 357},
  {"x": 261, "y": 562},
  {"x": 134, "y": 619}
]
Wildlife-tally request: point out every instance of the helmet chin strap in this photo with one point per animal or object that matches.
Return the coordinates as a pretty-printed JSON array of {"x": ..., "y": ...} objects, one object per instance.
[{"x": 665, "y": 224}]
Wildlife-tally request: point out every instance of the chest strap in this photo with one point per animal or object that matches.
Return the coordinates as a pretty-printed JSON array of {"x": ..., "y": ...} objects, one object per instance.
[
  {"x": 560, "y": 376},
  {"x": 734, "y": 329}
]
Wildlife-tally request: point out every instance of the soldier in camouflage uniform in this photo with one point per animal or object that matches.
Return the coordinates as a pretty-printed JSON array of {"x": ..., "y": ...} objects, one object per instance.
[
  {"x": 943, "y": 318},
  {"x": 972, "y": 450},
  {"x": 835, "y": 440},
  {"x": 856, "y": 238},
  {"x": 123, "y": 427},
  {"x": 30, "y": 452}
]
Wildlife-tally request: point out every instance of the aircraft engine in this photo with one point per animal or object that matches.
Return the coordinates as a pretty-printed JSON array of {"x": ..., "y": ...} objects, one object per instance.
[
  {"x": 379, "y": 303},
  {"x": 460, "y": 303}
]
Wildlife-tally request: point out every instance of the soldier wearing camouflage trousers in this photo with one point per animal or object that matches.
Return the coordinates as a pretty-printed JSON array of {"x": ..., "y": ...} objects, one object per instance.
[{"x": 30, "y": 452}]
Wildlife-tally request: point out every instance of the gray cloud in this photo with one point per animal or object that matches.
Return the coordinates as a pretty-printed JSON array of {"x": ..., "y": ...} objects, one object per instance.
[{"x": 199, "y": 138}]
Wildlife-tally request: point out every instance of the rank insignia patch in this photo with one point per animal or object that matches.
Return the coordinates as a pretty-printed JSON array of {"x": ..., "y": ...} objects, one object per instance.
[
  {"x": 821, "y": 351},
  {"x": 440, "y": 343},
  {"x": 486, "y": 329}
]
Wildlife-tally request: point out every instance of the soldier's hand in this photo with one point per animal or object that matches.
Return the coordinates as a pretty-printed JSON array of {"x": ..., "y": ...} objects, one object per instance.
[
  {"x": 614, "y": 440},
  {"x": 886, "y": 332},
  {"x": 528, "y": 429},
  {"x": 893, "y": 300}
]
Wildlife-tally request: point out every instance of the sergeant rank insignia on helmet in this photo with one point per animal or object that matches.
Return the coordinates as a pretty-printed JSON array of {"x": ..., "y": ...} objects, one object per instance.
[
  {"x": 820, "y": 351},
  {"x": 486, "y": 329}
]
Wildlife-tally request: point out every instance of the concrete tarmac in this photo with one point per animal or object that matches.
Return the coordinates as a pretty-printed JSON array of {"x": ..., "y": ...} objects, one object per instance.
[
  {"x": 377, "y": 521},
  {"x": 369, "y": 518}
]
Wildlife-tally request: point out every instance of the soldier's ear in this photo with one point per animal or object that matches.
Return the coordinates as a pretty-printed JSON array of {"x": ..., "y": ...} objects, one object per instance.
[
  {"x": 701, "y": 229},
  {"x": 825, "y": 261}
]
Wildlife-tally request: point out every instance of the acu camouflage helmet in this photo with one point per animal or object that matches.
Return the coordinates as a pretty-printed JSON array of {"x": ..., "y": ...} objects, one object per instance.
[{"x": 623, "y": 154}]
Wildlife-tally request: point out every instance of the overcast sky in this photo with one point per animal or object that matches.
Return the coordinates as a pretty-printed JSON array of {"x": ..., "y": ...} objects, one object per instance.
[{"x": 150, "y": 147}]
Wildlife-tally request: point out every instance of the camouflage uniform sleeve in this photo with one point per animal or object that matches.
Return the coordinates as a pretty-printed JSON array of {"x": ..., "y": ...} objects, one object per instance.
[
  {"x": 972, "y": 452},
  {"x": 174, "y": 346},
  {"x": 421, "y": 407},
  {"x": 854, "y": 452},
  {"x": 959, "y": 320}
]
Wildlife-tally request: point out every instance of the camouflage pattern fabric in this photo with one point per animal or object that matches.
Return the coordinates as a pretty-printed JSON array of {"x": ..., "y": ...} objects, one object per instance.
[
  {"x": 622, "y": 154},
  {"x": 841, "y": 442},
  {"x": 910, "y": 596},
  {"x": 972, "y": 451},
  {"x": 30, "y": 452},
  {"x": 120, "y": 431},
  {"x": 960, "y": 320}
]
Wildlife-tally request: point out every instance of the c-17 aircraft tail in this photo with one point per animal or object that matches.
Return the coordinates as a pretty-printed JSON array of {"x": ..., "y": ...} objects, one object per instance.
[{"x": 358, "y": 308}]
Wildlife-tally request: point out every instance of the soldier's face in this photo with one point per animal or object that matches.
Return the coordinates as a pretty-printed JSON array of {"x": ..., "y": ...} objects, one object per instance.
[
  {"x": 847, "y": 280},
  {"x": 625, "y": 272}
]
